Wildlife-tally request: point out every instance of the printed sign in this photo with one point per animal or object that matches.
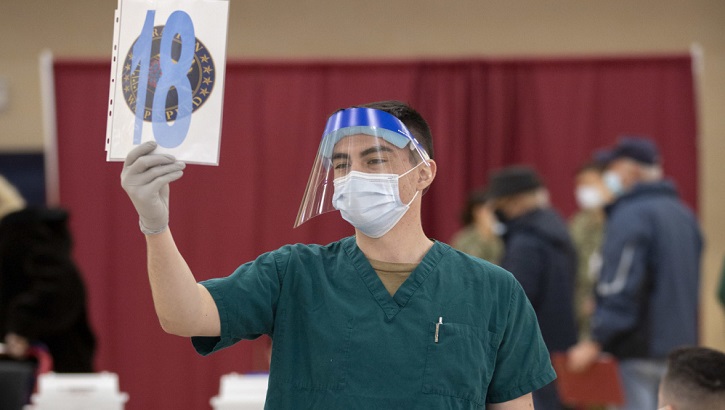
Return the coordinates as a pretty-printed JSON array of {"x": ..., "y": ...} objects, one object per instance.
[{"x": 167, "y": 78}]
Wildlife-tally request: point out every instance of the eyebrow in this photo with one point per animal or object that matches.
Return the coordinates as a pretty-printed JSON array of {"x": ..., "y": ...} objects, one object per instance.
[
  {"x": 377, "y": 148},
  {"x": 368, "y": 151}
]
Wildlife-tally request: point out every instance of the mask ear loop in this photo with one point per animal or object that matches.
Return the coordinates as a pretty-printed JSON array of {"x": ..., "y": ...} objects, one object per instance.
[
  {"x": 409, "y": 171},
  {"x": 406, "y": 173},
  {"x": 415, "y": 146},
  {"x": 412, "y": 199}
]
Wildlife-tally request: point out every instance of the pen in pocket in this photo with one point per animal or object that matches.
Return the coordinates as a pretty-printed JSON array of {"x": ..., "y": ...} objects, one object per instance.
[{"x": 438, "y": 325}]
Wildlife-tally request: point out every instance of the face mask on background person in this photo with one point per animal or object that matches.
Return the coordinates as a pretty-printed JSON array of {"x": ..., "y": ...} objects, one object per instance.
[
  {"x": 370, "y": 202},
  {"x": 500, "y": 216},
  {"x": 613, "y": 182},
  {"x": 498, "y": 228},
  {"x": 589, "y": 197}
]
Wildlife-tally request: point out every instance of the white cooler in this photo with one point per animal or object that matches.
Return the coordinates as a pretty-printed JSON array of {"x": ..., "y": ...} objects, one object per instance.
[
  {"x": 78, "y": 391},
  {"x": 241, "y": 392}
]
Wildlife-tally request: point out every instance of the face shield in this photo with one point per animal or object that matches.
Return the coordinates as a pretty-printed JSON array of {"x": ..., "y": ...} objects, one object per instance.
[{"x": 359, "y": 140}]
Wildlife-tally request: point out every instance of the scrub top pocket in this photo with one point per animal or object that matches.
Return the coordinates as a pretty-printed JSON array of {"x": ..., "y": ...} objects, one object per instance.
[{"x": 460, "y": 364}]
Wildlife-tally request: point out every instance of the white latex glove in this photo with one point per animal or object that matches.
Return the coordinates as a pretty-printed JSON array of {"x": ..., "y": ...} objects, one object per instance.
[{"x": 145, "y": 178}]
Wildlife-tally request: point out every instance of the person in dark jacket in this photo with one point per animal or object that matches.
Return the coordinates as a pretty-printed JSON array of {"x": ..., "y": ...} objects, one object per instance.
[
  {"x": 42, "y": 295},
  {"x": 647, "y": 293},
  {"x": 540, "y": 254}
]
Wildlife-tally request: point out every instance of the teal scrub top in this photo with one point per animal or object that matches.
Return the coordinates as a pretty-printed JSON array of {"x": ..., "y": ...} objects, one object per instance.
[{"x": 340, "y": 341}]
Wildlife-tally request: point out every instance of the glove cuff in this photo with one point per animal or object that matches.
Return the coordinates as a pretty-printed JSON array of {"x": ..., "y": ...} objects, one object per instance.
[{"x": 148, "y": 231}]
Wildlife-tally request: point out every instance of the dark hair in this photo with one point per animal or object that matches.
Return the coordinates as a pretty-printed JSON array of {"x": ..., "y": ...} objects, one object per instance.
[
  {"x": 476, "y": 198},
  {"x": 595, "y": 166},
  {"x": 410, "y": 117},
  {"x": 695, "y": 378},
  {"x": 37, "y": 225}
]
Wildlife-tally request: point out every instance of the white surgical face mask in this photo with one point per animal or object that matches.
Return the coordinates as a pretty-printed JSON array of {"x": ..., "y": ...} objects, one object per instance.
[
  {"x": 498, "y": 228},
  {"x": 370, "y": 202},
  {"x": 589, "y": 197},
  {"x": 614, "y": 182}
]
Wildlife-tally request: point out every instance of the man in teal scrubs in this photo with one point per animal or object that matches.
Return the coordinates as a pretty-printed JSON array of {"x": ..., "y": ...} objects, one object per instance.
[{"x": 385, "y": 319}]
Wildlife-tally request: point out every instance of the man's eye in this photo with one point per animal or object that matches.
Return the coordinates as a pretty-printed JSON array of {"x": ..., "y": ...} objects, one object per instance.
[
  {"x": 341, "y": 165},
  {"x": 376, "y": 161}
]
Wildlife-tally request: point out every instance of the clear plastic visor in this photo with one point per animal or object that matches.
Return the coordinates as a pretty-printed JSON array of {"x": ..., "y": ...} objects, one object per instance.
[{"x": 362, "y": 140}]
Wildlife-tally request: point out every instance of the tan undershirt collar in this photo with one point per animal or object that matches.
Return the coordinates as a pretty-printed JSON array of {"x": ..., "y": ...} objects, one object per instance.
[{"x": 392, "y": 274}]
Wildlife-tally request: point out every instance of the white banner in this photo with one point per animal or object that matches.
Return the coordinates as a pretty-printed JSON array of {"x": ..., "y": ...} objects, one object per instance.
[{"x": 167, "y": 78}]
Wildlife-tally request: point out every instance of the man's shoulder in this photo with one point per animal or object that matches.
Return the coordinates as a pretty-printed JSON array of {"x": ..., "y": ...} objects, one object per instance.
[
  {"x": 632, "y": 206},
  {"x": 473, "y": 266},
  {"x": 584, "y": 219},
  {"x": 645, "y": 204},
  {"x": 315, "y": 248},
  {"x": 525, "y": 240},
  {"x": 646, "y": 194},
  {"x": 466, "y": 235},
  {"x": 305, "y": 253}
]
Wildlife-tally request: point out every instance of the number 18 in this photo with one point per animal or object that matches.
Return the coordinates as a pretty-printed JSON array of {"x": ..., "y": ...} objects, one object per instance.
[{"x": 173, "y": 74}]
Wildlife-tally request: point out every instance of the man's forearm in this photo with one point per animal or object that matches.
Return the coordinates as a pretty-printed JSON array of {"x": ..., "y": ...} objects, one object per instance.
[
  {"x": 184, "y": 308},
  {"x": 524, "y": 402}
]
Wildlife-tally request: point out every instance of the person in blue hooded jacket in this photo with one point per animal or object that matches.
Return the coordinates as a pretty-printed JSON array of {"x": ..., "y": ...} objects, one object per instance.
[
  {"x": 647, "y": 295},
  {"x": 541, "y": 255}
]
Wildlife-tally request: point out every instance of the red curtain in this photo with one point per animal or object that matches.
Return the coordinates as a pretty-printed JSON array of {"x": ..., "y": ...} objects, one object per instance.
[{"x": 485, "y": 114}]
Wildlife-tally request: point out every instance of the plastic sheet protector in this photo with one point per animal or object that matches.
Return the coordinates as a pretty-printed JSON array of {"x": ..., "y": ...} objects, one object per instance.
[{"x": 167, "y": 78}]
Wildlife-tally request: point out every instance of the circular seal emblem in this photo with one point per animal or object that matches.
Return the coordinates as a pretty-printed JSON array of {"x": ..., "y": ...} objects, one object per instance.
[{"x": 201, "y": 76}]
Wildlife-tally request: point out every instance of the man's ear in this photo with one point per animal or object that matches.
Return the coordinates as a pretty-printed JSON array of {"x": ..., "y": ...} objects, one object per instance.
[{"x": 426, "y": 175}]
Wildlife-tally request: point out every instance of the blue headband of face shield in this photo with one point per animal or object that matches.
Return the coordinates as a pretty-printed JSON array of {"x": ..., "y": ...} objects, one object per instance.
[{"x": 368, "y": 121}]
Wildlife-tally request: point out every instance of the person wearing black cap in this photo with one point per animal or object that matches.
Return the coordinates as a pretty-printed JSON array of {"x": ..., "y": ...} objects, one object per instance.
[
  {"x": 647, "y": 291},
  {"x": 540, "y": 254},
  {"x": 632, "y": 161}
]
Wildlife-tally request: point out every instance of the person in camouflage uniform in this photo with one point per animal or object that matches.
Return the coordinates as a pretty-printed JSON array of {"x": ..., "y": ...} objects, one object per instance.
[{"x": 479, "y": 236}]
